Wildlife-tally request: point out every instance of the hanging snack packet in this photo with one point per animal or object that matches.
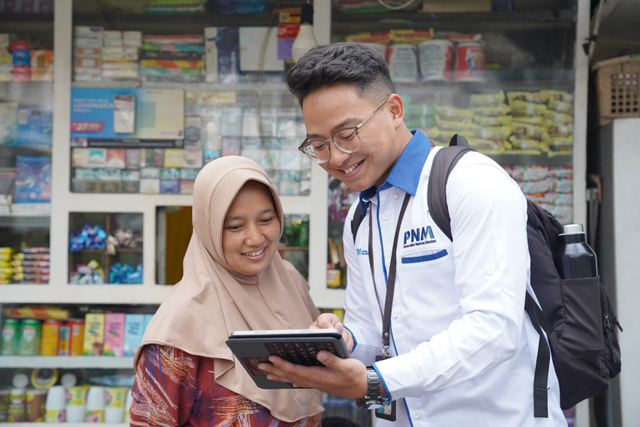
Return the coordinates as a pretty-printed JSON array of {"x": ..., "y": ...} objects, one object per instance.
[
  {"x": 560, "y": 95},
  {"x": 497, "y": 110},
  {"x": 534, "y": 97},
  {"x": 561, "y": 106},
  {"x": 528, "y": 108},
  {"x": 493, "y": 121},
  {"x": 485, "y": 99},
  {"x": 492, "y": 132},
  {"x": 451, "y": 113},
  {"x": 556, "y": 117}
]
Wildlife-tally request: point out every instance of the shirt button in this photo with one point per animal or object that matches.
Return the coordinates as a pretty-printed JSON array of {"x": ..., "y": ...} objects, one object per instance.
[
  {"x": 395, "y": 196},
  {"x": 416, "y": 415},
  {"x": 394, "y": 314},
  {"x": 385, "y": 217},
  {"x": 490, "y": 271}
]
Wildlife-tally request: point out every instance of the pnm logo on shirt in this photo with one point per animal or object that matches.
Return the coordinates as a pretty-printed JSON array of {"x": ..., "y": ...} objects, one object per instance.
[
  {"x": 418, "y": 236},
  {"x": 362, "y": 252}
]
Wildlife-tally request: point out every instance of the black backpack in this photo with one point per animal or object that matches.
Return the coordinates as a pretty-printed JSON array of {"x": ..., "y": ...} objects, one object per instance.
[{"x": 576, "y": 314}]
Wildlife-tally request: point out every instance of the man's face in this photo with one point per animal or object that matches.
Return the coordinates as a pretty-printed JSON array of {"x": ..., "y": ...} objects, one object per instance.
[{"x": 330, "y": 109}]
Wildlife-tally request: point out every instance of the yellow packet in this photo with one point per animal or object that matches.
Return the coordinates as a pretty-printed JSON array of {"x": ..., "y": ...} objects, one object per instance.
[
  {"x": 494, "y": 132},
  {"x": 486, "y": 146},
  {"x": 560, "y": 142},
  {"x": 561, "y": 106},
  {"x": 455, "y": 113},
  {"x": 411, "y": 36},
  {"x": 493, "y": 121},
  {"x": 527, "y": 96},
  {"x": 497, "y": 110},
  {"x": 370, "y": 37},
  {"x": 433, "y": 133},
  {"x": 560, "y": 129},
  {"x": 452, "y": 125},
  {"x": 557, "y": 117},
  {"x": 485, "y": 99},
  {"x": 528, "y": 144},
  {"x": 532, "y": 120},
  {"x": 528, "y": 130},
  {"x": 560, "y": 95},
  {"x": 528, "y": 108}
]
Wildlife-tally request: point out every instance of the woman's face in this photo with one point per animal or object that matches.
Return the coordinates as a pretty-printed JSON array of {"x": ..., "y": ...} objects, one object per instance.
[{"x": 251, "y": 230}]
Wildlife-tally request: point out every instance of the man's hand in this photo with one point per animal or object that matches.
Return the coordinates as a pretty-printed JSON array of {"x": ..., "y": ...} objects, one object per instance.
[
  {"x": 340, "y": 377},
  {"x": 330, "y": 320}
]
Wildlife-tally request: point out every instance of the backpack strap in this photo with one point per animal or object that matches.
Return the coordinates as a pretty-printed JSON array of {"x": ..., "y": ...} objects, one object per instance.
[
  {"x": 541, "y": 374},
  {"x": 443, "y": 163}
]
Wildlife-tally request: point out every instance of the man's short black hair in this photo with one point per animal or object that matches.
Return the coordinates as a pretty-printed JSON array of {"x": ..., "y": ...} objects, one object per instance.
[{"x": 351, "y": 63}]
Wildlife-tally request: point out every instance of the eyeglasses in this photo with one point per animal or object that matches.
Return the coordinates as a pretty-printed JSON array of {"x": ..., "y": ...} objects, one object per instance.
[{"x": 347, "y": 140}]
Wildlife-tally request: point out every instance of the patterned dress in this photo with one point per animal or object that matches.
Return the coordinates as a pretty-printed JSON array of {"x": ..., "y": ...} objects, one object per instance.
[{"x": 175, "y": 388}]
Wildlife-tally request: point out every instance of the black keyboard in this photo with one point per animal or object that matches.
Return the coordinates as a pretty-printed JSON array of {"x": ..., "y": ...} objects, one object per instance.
[{"x": 300, "y": 353}]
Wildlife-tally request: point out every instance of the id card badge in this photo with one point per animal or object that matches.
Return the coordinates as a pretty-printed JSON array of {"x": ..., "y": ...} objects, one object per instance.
[{"x": 388, "y": 410}]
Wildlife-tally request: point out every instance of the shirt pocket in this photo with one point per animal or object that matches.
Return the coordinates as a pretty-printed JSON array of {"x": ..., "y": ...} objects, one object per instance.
[{"x": 424, "y": 256}]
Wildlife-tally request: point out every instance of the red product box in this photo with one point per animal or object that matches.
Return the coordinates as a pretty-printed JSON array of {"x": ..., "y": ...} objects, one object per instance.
[
  {"x": 21, "y": 73},
  {"x": 20, "y": 45}
]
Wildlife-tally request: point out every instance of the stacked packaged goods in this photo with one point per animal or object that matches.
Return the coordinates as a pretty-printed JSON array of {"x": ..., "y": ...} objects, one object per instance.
[
  {"x": 120, "y": 55},
  {"x": 24, "y": 265},
  {"x": 176, "y": 57},
  {"x": 174, "y": 6},
  {"x": 87, "y": 52}
]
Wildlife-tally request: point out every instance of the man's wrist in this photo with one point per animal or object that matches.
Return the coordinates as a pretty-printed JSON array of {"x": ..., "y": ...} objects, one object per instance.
[{"x": 374, "y": 395}]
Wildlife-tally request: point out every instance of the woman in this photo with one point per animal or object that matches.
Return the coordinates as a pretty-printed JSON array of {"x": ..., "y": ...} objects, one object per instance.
[{"x": 234, "y": 279}]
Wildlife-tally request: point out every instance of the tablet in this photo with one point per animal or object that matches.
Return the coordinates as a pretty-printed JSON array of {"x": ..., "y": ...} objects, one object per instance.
[{"x": 299, "y": 346}]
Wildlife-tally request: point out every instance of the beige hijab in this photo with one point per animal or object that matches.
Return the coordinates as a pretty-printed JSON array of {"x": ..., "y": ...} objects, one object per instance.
[{"x": 211, "y": 300}]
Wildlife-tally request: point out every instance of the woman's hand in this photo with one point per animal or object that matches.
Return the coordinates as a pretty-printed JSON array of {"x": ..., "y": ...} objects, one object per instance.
[{"x": 330, "y": 320}]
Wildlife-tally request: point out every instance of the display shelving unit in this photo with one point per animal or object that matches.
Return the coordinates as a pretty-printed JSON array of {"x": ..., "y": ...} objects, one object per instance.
[{"x": 326, "y": 22}]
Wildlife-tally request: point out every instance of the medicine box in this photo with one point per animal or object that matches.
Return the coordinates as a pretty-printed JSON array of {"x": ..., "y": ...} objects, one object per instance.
[
  {"x": 93, "y": 334},
  {"x": 133, "y": 331},
  {"x": 114, "y": 334}
]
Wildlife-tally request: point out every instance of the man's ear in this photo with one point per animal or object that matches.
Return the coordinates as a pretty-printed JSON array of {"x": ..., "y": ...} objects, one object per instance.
[{"x": 396, "y": 107}]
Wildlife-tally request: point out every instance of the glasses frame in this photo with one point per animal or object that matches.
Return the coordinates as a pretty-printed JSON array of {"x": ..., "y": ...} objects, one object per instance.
[{"x": 307, "y": 142}]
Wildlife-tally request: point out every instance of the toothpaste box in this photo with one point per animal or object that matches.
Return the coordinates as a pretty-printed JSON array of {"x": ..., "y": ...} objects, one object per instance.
[
  {"x": 93, "y": 334},
  {"x": 114, "y": 334},
  {"x": 133, "y": 331}
]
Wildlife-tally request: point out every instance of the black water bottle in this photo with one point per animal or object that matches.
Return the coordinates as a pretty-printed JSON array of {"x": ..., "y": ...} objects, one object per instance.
[{"x": 574, "y": 258}]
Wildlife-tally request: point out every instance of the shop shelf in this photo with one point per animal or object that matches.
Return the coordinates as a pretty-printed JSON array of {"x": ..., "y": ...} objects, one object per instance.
[
  {"x": 76, "y": 362},
  {"x": 25, "y": 209},
  {"x": 532, "y": 159},
  {"x": 173, "y": 23},
  {"x": 253, "y": 86},
  {"x": 26, "y": 22},
  {"x": 344, "y": 23}
]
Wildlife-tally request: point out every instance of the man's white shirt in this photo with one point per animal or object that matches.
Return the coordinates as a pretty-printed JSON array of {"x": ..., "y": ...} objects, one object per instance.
[{"x": 464, "y": 350}]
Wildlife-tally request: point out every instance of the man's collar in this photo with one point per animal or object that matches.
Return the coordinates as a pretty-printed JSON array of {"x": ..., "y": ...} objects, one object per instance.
[{"x": 406, "y": 171}]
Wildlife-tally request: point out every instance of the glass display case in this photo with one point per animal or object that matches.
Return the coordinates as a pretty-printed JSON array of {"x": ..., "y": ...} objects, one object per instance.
[
  {"x": 26, "y": 119},
  {"x": 147, "y": 92}
]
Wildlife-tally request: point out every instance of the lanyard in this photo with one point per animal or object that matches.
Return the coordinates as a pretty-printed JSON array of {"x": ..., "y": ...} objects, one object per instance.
[{"x": 391, "y": 280}]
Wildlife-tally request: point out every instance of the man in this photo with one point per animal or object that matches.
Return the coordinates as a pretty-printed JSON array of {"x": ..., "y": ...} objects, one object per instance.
[{"x": 463, "y": 351}]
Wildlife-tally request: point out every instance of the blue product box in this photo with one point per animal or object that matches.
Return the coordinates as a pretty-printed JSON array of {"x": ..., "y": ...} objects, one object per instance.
[
  {"x": 35, "y": 125},
  {"x": 21, "y": 57},
  {"x": 170, "y": 186},
  {"x": 33, "y": 179},
  {"x": 133, "y": 331}
]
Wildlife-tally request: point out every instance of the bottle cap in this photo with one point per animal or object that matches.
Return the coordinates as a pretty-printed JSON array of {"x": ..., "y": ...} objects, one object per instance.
[
  {"x": 68, "y": 380},
  {"x": 20, "y": 381},
  {"x": 572, "y": 229}
]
